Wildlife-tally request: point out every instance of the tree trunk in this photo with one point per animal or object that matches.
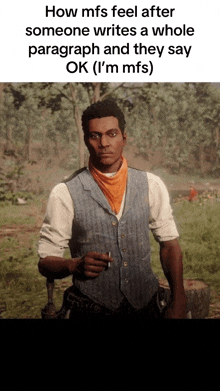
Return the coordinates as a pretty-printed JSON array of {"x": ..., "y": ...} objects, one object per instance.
[
  {"x": 9, "y": 149},
  {"x": 81, "y": 137},
  {"x": 217, "y": 147},
  {"x": 197, "y": 294},
  {"x": 56, "y": 149},
  {"x": 45, "y": 149},
  {"x": 2, "y": 87},
  {"x": 77, "y": 117},
  {"x": 202, "y": 159},
  {"x": 96, "y": 92},
  {"x": 28, "y": 143}
]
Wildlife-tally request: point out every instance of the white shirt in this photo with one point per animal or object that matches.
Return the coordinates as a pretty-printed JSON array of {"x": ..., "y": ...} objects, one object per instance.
[{"x": 56, "y": 230}]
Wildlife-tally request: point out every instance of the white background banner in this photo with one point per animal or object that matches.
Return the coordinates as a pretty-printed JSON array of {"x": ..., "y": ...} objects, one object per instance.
[{"x": 165, "y": 41}]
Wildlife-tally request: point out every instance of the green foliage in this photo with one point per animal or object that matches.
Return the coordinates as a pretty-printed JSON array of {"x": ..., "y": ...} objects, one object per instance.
[
  {"x": 178, "y": 121},
  {"x": 12, "y": 183}
]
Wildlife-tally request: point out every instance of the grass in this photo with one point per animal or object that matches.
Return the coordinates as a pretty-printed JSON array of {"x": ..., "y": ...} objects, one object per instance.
[
  {"x": 22, "y": 289},
  {"x": 198, "y": 226},
  {"x": 199, "y": 237}
]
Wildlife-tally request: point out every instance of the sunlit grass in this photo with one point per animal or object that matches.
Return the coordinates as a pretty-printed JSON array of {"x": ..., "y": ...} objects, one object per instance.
[{"x": 198, "y": 225}]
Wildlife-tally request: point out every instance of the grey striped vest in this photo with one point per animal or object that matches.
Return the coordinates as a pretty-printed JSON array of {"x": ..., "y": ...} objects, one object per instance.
[{"x": 96, "y": 228}]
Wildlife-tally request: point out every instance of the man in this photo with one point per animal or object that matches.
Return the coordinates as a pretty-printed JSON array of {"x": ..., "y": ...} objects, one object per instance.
[{"x": 103, "y": 213}]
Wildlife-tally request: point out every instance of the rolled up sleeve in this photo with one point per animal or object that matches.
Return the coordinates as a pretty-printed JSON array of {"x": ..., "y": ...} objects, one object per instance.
[
  {"x": 56, "y": 230},
  {"x": 161, "y": 220}
]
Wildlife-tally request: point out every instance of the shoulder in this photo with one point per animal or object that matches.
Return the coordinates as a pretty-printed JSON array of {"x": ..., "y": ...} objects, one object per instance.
[
  {"x": 61, "y": 188},
  {"x": 59, "y": 191},
  {"x": 136, "y": 173},
  {"x": 157, "y": 188},
  {"x": 75, "y": 175},
  {"x": 158, "y": 192},
  {"x": 155, "y": 180},
  {"x": 59, "y": 199}
]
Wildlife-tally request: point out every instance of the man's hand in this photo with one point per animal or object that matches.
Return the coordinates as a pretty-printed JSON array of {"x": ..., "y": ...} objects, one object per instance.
[
  {"x": 171, "y": 260},
  {"x": 89, "y": 266},
  {"x": 92, "y": 264},
  {"x": 176, "y": 310}
]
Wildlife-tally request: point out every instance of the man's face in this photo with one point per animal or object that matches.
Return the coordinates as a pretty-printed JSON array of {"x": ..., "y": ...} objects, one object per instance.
[{"x": 105, "y": 143}]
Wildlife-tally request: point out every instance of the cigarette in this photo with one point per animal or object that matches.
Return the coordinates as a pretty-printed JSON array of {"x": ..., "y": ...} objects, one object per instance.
[{"x": 109, "y": 263}]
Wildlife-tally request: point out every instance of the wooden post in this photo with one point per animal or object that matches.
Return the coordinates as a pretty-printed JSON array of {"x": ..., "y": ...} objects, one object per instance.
[{"x": 49, "y": 311}]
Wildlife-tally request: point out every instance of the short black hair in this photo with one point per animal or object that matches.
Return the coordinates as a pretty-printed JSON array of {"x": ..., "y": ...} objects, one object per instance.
[{"x": 100, "y": 109}]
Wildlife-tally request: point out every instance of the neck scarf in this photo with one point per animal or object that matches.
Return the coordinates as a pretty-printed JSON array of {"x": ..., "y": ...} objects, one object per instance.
[{"x": 112, "y": 187}]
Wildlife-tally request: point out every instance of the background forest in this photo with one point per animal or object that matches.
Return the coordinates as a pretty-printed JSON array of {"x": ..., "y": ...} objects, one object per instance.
[
  {"x": 173, "y": 125},
  {"x": 173, "y": 131}
]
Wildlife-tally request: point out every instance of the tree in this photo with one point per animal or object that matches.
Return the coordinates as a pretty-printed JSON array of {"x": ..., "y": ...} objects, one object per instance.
[
  {"x": 181, "y": 121},
  {"x": 207, "y": 134},
  {"x": 178, "y": 121}
]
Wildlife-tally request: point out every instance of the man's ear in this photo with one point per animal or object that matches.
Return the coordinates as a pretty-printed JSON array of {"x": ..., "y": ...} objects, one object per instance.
[
  {"x": 124, "y": 135},
  {"x": 86, "y": 140}
]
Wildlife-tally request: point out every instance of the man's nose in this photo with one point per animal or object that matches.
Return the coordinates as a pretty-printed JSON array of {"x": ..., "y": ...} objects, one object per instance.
[{"x": 104, "y": 142}]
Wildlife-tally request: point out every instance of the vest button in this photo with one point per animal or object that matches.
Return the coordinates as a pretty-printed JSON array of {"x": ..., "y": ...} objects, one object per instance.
[
  {"x": 122, "y": 235},
  {"x": 124, "y": 250},
  {"x": 125, "y": 263},
  {"x": 114, "y": 223}
]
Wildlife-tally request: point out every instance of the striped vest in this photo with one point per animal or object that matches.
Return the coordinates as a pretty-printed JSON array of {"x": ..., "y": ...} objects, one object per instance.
[{"x": 96, "y": 228}]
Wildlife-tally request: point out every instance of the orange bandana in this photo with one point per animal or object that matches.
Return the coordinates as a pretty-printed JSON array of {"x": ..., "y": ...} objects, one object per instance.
[{"x": 112, "y": 187}]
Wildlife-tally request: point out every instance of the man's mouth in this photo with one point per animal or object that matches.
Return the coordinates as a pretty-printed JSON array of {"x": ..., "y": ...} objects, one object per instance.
[{"x": 105, "y": 154}]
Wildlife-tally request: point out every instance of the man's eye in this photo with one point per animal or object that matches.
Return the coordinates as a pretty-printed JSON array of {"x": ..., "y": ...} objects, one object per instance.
[
  {"x": 94, "y": 136},
  {"x": 112, "y": 134}
]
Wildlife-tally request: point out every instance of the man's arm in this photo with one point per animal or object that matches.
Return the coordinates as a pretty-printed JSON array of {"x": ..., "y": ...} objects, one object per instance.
[
  {"x": 54, "y": 238},
  {"x": 171, "y": 261},
  {"x": 89, "y": 266},
  {"x": 53, "y": 267}
]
